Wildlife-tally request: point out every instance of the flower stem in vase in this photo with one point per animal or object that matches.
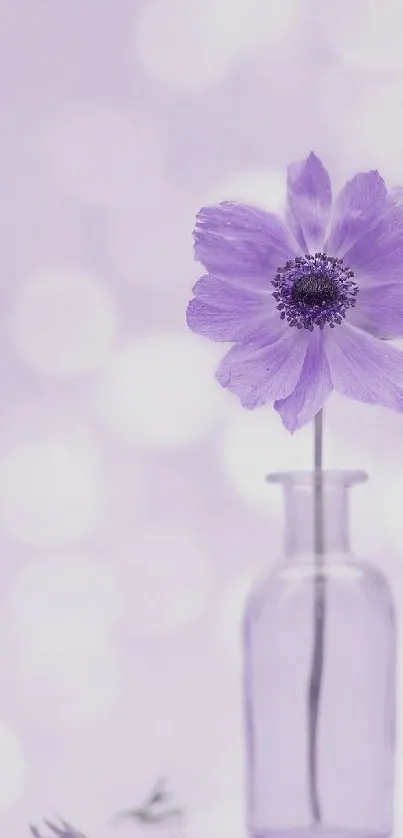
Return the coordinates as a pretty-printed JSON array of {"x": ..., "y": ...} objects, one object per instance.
[{"x": 315, "y": 681}]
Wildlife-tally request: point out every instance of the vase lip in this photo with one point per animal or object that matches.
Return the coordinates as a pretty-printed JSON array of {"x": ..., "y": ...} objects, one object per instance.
[{"x": 328, "y": 477}]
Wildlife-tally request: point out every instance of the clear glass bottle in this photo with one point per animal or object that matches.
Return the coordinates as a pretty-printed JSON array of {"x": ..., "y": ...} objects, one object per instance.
[{"x": 355, "y": 736}]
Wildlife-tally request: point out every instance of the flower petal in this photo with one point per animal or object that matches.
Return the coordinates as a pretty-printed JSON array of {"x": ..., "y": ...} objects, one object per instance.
[
  {"x": 396, "y": 195},
  {"x": 378, "y": 255},
  {"x": 382, "y": 305},
  {"x": 312, "y": 390},
  {"x": 237, "y": 241},
  {"x": 261, "y": 374},
  {"x": 309, "y": 199},
  {"x": 225, "y": 312},
  {"x": 210, "y": 287},
  {"x": 364, "y": 368},
  {"x": 358, "y": 207}
]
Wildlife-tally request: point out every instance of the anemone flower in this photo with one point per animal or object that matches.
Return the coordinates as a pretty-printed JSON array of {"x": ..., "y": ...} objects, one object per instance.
[{"x": 305, "y": 300}]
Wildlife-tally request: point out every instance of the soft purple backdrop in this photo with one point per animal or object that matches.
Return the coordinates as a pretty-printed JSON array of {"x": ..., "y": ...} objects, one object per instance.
[{"x": 133, "y": 508}]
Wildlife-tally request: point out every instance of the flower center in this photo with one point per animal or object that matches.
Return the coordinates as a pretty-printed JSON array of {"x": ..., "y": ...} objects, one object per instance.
[{"x": 314, "y": 290}]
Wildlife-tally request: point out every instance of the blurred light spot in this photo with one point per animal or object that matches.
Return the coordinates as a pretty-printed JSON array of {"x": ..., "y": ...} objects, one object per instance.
[
  {"x": 260, "y": 187},
  {"x": 350, "y": 435},
  {"x": 64, "y": 605},
  {"x": 167, "y": 579},
  {"x": 161, "y": 391},
  {"x": 336, "y": 93},
  {"x": 256, "y": 443},
  {"x": 285, "y": 71},
  {"x": 64, "y": 322},
  {"x": 190, "y": 45},
  {"x": 101, "y": 156},
  {"x": 49, "y": 492},
  {"x": 371, "y": 142},
  {"x": 361, "y": 436},
  {"x": 152, "y": 206},
  {"x": 365, "y": 34},
  {"x": 269, "y": 23},
  {"x": 155, "y": 252},
  {"x": 45, "y": 419},
  {"x": 68, "y": 692},
  {"x": 12, "y": 768}
]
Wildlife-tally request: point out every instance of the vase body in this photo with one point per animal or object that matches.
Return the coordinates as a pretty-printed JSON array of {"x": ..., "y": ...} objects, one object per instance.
[{"x": 355, "y": 735}]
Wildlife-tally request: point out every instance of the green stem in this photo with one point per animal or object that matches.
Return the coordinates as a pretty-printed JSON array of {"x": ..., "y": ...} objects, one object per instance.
[{"x": 315, "y": 682}]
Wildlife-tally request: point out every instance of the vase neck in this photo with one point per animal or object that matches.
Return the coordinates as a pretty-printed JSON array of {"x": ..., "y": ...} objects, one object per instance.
[{"x": 316, "y": 511}]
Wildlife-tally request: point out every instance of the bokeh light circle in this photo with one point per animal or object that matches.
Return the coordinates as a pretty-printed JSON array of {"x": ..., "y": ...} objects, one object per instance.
[
  {"x": 256, "y": 443},
  {"x": 167, "y": 579},
  {"x": 268, "y": 23},
  {"x": 365, "y": 35},
  {"x": 189, "y": 45},
  {"x": 50, "y": 492},
  {"x": 161, "y": 390},
  {"x": 12, "y": 767},
  {"x": 371, "y": 142},
  {"x": 260, "y": 187},
  {"x": 159, "y": 257},
  {"x": 65, "y": 604},
  {"x": 192, "y": 47},
  {"x": 68, "y": 693},
  {"x": 64, "y": 322},
  {"x": 361, "y": 436},
  {"x": 102, "y": 156}
]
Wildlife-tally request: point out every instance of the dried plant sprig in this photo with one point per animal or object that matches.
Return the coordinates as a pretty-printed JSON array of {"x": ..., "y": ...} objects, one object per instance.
[
  {"x": 148, "y": 813},
  {"x": 65, "y": 830}
]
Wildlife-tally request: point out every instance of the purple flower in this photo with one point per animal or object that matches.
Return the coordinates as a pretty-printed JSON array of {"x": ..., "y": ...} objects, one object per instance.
[{"x": 307, "y": 300}]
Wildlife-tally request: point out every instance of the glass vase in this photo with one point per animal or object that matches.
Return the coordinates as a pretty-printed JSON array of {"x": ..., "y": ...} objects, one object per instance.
[{"x": 330, "y": 774}]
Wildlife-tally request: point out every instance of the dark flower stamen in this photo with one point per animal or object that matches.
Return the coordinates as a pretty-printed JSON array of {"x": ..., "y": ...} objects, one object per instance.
[{"x": 314, "y": 290}]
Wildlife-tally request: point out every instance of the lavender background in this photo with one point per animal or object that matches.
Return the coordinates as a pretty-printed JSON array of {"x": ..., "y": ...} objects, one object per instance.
[{"x": 133, "y": 508}]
